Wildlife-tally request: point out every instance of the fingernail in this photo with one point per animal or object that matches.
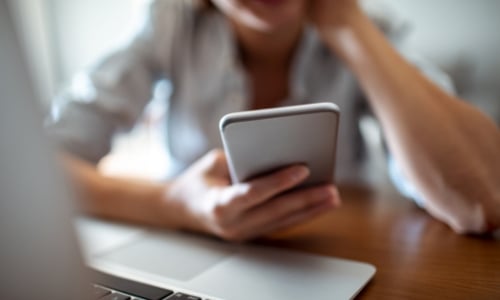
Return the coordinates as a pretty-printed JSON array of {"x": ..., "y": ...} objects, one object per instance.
[
  {"x": 336, "y": 197},
  {"x": 329, "y": 195},
  {"x": 300, "y": 173},
  {"x": 324, "y": 193}
]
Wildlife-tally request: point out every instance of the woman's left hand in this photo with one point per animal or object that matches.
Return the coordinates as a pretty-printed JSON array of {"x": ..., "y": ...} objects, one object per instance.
[{"x": 333, "y": 14}]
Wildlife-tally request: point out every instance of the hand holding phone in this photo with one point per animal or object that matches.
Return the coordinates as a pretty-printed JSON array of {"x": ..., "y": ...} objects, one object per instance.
[{"x": 209, "y": 203}]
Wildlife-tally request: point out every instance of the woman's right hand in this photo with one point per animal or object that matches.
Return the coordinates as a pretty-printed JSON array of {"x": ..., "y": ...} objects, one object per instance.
[{"x": 207, "y": 202}]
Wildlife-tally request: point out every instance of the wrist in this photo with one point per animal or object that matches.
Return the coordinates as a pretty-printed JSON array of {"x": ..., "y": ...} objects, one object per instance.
[
  {"x": 136, "y": 201},
  {"x": 168, "y": 209},
  {"x": 174, "y": 203},
  {"x": 352, "y": 39},
  {"x": 345, "y": 19}
]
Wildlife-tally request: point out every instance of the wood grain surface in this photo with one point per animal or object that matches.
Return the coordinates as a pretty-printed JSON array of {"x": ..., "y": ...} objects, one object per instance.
[{"x": 416, "y": 256}]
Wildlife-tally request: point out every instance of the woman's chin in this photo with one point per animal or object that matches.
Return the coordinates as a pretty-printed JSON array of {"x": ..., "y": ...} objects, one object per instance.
[
  {"x": 273, "y": 25},
  {"x": 276, "y": 15}
]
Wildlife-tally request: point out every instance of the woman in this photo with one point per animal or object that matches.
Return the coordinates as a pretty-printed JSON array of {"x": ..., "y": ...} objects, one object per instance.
[{"x": 244, "y": 54}]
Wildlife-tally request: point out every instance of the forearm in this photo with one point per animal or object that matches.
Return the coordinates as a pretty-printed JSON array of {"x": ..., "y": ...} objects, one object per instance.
[
  {"x": 125, "y": 199},
  {"x": 448, "y": 148},
  {"x": 411, "y": 109}
]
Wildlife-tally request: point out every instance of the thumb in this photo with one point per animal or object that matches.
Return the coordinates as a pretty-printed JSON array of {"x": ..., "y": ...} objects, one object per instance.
[{"x": 215, "y": 163}]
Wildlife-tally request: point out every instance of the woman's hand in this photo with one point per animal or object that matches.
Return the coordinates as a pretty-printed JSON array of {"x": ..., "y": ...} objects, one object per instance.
[
  {"x": 208, "y": 203},
  {"x": 465, "y": 194},
  {"x": 445, "y": 147},
  {"x": 329, "y": 15}
]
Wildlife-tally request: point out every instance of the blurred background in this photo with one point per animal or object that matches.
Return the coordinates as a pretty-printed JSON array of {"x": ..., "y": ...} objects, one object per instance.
[{"x": 66, "y": 36}]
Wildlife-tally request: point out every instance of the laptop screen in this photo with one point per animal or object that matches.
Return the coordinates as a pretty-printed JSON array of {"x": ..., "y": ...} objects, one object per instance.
[{"x": 40, "y": 257}]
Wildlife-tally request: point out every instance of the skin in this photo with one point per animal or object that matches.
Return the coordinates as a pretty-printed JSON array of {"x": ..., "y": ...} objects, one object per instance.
[
  {"x": 452, "y": 157},
  {"x": 446, "y": 147}
]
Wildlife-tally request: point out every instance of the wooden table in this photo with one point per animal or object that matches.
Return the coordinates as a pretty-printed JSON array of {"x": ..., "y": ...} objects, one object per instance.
[{"x": 416, "y": 256}]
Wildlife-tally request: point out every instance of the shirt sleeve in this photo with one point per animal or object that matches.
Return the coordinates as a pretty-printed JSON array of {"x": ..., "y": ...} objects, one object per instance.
[{"x": 112, "y": 95}]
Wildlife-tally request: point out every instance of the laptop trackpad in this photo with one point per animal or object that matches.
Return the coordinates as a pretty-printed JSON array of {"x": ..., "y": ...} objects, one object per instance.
[{"x": 173, "y": 255}]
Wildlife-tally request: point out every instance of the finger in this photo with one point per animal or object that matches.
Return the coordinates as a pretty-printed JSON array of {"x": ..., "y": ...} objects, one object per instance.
[
  {"x": 261, "y": 189},
  {"x": 285, "y": 206},
  {"x": 217, "y": 163},
  {"x": 296, "y": 218},
  {"x": 213, "y": 167}
]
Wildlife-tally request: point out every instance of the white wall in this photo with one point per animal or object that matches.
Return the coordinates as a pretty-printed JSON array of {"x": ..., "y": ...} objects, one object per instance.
[
  {"x": 85, "y": 29},
  {"x": 463, "y": 37}
]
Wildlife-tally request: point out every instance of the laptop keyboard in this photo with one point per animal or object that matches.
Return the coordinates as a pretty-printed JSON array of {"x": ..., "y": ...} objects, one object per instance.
[{"x": 109, "y": 287}]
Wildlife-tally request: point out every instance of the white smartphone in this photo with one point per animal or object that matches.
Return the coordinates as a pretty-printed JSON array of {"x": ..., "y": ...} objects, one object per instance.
[{"x": 261, "y": 141}]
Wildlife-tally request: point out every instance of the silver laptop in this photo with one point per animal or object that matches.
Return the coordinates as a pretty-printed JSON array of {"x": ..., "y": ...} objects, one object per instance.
[{"x": 40, "y": 256}]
